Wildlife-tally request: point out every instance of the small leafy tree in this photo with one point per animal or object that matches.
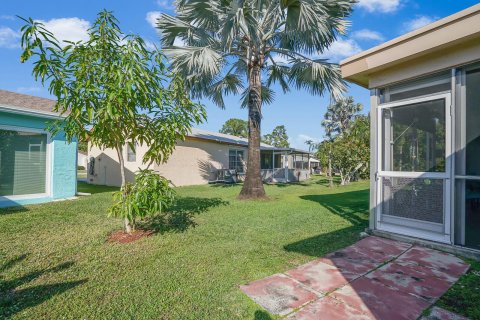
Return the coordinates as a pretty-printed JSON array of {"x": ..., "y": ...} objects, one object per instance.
[
  {"x": 278, "y": 138},
  {"x": 235, "y": 127},
  {"x": 113, "y": 90},
  {"x": 351, "y": 151},
  {"x": 150, "y": 195},
  {"x": 246, "y": 47},
  {"x": 338, "y": 119}
]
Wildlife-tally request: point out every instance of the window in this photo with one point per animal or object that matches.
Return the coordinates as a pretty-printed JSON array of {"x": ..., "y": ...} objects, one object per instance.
[
  {"x": 414, "y": 137},
  {"x": 236, "y": 160},
  {"x": 415, "y": 88},
  {"x": 131, "y": 154},
  {"x": 23, "y": 162}
]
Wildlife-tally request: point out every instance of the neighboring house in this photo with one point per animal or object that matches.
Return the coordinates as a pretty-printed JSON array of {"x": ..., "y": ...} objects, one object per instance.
[
  {"x": 202, "y": 158},
  {"x": 82, "y": 158},
  {"x": 35, "y": 167},
  {"x": 425, "y": 111}
]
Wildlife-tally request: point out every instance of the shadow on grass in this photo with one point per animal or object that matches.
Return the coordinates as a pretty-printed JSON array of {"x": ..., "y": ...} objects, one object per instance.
[
  {"x": 181, "y": 216},
  {"x": 15, "y": 208},
  {"x": 351, "y": 206},
  {"x": 14, "y": 300},
  {"x": 93, "y": 188},
  {"x": 262, "y": 315}
]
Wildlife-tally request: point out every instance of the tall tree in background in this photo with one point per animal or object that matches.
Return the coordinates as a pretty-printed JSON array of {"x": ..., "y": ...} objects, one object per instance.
[
  {"x": 351, "y": 150},
  {"x": 278, "y": 138},
  {"x": 236, "y": 46},
  {"x": 338, "y": 118},
  {"x": 113, "y": 90},
  {"x": 311, "y": 145},
  {"x": 235, "y": 127}
]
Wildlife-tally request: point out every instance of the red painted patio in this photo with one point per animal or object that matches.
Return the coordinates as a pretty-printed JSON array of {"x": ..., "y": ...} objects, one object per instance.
[{"x": 375, "y": 278}]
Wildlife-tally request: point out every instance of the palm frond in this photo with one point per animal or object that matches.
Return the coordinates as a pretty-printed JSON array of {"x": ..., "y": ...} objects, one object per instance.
[{"x": 317, "y": 76}]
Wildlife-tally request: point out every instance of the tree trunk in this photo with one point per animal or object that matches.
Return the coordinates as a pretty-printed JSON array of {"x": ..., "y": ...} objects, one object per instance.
[
  {"x": 253, "y": 185},
  {"x": 330, "y": 174},
  {"x": 126, "y": 223}
]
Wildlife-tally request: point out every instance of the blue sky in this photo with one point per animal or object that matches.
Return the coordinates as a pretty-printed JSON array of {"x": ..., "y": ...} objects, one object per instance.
[{"x": 372, "y": 22}]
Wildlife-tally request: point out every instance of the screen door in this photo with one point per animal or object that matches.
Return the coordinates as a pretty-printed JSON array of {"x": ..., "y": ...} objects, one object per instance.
[{"x": 413, "y": 185}]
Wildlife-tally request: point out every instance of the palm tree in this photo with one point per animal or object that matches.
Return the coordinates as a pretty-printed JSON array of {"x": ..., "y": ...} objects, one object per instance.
[
  {"x": 339, "y": 117},
  {"x": 224, "y": 47}
]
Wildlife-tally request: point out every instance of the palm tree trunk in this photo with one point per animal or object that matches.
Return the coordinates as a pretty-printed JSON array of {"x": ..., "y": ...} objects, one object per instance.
[
  {"x": 126, "y": 222},
  {"x": 253, "y": 185},
  {"x": 330, "y": 173}
]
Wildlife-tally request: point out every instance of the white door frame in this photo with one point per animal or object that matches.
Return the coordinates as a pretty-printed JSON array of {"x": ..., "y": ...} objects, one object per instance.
[{"x": 424, "y": 230}]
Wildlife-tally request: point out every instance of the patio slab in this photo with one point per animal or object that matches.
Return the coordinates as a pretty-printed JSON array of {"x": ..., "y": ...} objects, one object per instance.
[
  {"x": 416, "y": 280},
  {"x": 373, "y": 279},
  {"x": 441, "y": 314},
  {"x": 279, "y": 294},
  {"x": 329, "y": 308},
  {"x": 321, "y": 277},
  {"x": 379, "y": 301},
  {"x": 441, "y": 261}
]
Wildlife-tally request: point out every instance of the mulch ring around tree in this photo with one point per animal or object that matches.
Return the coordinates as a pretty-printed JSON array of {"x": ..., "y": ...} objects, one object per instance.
[{"x": 122, "y": 237}]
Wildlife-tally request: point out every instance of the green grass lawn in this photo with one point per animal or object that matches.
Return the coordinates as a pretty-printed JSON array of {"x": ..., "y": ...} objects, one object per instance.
[
  {"x": 55, "y": 261},
  {"x": 464, "y": 297}
]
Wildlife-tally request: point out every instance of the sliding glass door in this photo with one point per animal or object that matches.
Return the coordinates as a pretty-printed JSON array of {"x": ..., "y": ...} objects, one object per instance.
[
  {"x": 467, "y": 160},
  {"x": 23, "y": 163}
]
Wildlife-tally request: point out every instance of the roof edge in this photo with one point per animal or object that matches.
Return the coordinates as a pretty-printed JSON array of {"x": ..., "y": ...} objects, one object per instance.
[
  {"x": 415, "y": 33},
  {"x": 30, "y": 112}
]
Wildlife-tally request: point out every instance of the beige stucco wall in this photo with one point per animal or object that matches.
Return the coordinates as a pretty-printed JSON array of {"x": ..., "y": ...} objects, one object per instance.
[
  {"x": 107, "y": 167},
  {"x": 191, "y": 163}
]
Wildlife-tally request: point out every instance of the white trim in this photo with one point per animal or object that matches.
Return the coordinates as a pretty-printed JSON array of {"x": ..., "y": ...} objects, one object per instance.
[
  {"x": 48, "y": 163},
  {"x": 31, "y": 112},
  {"x": 413, "y": 174}
]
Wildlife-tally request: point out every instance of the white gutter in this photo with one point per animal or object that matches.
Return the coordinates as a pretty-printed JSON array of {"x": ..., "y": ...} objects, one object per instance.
[{"x": 31, "y": 112}]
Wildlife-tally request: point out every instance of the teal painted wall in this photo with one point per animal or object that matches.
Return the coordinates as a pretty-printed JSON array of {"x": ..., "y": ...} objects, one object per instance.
[{"x": 63, "y": 160}]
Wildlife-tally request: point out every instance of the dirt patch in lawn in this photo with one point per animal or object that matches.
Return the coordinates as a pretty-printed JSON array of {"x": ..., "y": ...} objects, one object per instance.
[{"x": 121, "y": 236}]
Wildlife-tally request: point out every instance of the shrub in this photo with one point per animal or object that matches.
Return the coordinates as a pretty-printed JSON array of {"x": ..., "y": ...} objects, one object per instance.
[{"x": 150, "y": 195}]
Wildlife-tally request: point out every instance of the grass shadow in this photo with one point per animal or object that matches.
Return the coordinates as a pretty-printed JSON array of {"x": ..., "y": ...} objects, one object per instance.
[
  {"x": 14, "y": 300},
  {"x": 351, "y": 206},
  {"x": 94, "y": 188},
  {"x": 15, "y": 208},
  {"x": 262, "y": 315},
  {"x": 181, "y": 216}
]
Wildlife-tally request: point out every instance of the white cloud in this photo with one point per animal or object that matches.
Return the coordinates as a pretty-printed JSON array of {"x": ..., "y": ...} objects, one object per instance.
[
  {"x": 340, "y": 49},
  {"x": 152, "y": 18},
  {"x": 7, "y": 17},
  {"x": 9, "y": 38},
  {"x": 72, "y": 29},
  {"x": 418, "y": 22},
  {"x": 366, "y": 34},
  {"x": 165, "y": 4},
  {"x": 379, "y": 5},
  {"x": 28, "y": 89},
  {"x": 299, "y": 141}
]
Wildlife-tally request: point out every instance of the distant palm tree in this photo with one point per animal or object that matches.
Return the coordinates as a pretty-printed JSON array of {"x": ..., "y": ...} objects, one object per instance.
[
  {"x": 339, "y": 117},
  {"x": 225, "y": 47}
]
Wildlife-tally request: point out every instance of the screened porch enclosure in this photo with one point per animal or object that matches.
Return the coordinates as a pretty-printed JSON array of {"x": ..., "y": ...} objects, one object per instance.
[
  {"x": 284, "y": 166},
  {"x": 428, "y": 158}
]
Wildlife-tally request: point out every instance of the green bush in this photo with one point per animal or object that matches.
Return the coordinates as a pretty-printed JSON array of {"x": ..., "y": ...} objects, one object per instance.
[{"x": 150, "y": 195}]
